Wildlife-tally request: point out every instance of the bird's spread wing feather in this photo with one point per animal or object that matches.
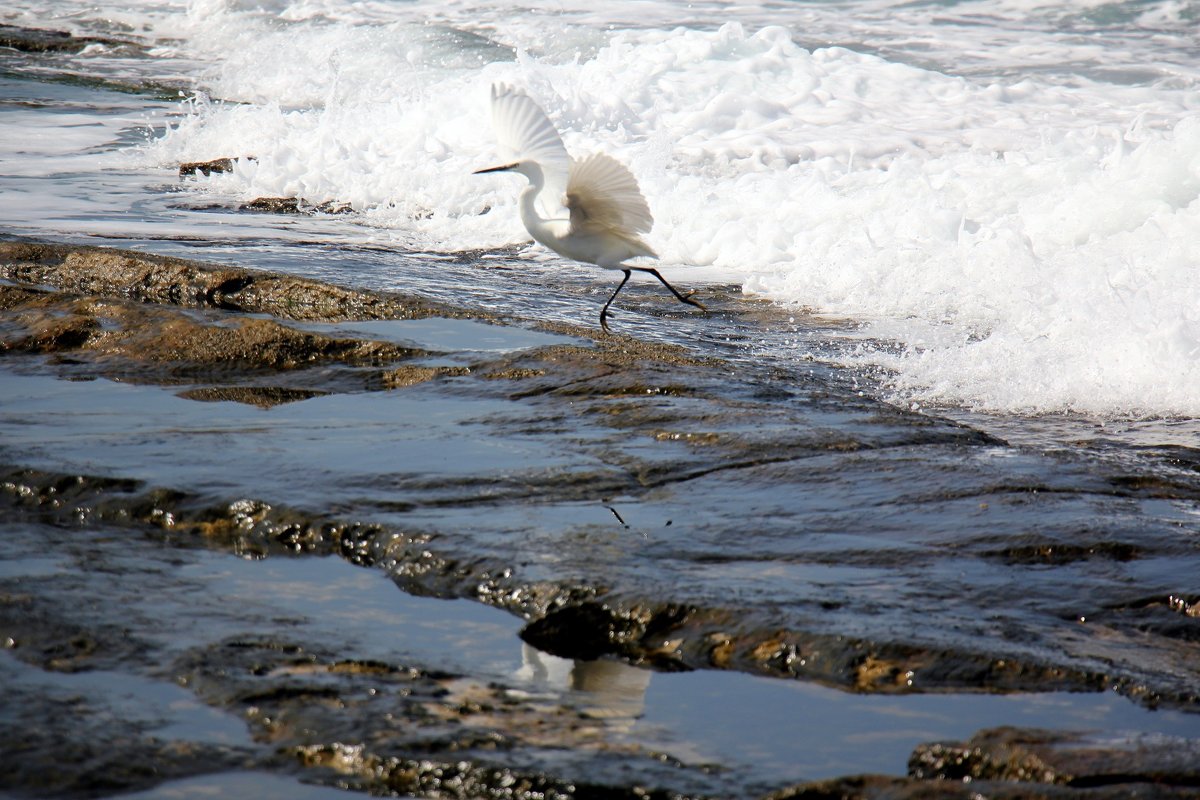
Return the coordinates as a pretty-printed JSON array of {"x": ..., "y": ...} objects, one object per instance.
[
  {"x": 525, "y": 133},
  {"x": 603, "y": 195},
  {"x": 524, "y": 130}
]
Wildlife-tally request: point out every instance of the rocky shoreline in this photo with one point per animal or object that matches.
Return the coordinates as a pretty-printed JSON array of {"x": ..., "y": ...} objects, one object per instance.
[{"x": 645, "y": 426}]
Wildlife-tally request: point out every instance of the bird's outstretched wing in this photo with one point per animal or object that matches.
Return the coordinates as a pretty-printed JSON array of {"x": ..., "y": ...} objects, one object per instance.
[
  {"x": 525, "y": 133},
  {"x": 603, "y": 195}
]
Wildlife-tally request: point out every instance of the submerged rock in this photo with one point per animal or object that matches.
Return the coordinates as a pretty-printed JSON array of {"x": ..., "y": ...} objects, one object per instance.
[{"x": 41, "y": 40}]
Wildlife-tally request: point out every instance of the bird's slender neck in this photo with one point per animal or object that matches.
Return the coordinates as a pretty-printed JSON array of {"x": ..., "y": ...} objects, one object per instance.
[
  {"x": 533, "y": 171},
  {"x": 537, "y": 182},
  {"x": 529, "y": 208}
]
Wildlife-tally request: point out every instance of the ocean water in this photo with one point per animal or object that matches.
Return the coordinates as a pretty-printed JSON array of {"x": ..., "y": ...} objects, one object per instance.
[{"x": 1002, "y": 197}]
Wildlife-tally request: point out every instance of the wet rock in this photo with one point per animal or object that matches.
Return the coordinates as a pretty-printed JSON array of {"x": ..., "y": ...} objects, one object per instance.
[
  {"x": 261, "y": 396},
  {"x": 41, "y": 40},
  {"x": 1156, "y": 486},
  {"x": 589, "y": 630},
  {"x": 1188, "y": 605},
  {"x": 460, "y": 779},
  {"x": 272, "y": 205},
  {"x": 59, "y": 56},
  {"x": 878, "y": 787},
  {"x": 134, "y": 341},
  {"x": 104, "y": 272},
  {"x": 1024, "y": 764},
  {"x": 1075, "y": 760},
  {"x": 32, "y": 632},
  {"x": 215, "y": 166},
  {"x": 1003, "y": 754},
  {"x": 513, "y": 373},
  {"x": 410, "y": 376},
  {"x": 333, "y": 207},
  {"x": 66, "y": 747},
  {"x": 1172, "y": 618},
  {"x": 339, "y": 717},
  {"x": 1064, "y": 552},
  {"x": 295, "y": 205}
]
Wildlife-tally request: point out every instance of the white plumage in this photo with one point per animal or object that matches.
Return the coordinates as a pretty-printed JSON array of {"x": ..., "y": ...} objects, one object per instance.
[
  {"x": 601, "y": 192},
  {"x": 525, "y": 133},
  {"x": 589, "y": 210}
]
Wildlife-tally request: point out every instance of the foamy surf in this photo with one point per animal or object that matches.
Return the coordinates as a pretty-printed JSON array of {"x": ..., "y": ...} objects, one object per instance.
[{"x": 1005, "y": 195}]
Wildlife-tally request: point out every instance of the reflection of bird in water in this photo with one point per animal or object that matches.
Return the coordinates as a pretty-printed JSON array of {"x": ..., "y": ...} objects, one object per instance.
[
  {"x": 608, "y": 690},
  {"x": 589, "y": 210}
]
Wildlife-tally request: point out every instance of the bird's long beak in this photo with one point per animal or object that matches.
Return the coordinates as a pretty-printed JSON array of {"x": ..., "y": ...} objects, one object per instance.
[{"x": 501, "y": 168}]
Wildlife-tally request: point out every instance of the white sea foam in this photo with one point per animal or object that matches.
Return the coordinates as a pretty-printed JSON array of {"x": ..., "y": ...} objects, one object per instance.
[{"x": 1008, "y": 196}]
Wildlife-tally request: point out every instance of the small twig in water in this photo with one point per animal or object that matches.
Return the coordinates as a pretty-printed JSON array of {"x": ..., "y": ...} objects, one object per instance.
[{"x": 618, "y": 516}]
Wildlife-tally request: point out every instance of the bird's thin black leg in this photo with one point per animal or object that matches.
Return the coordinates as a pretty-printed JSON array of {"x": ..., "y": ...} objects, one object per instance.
[
  {"x": 683, "y": 298},
  {"x": 604, "y": 311}
]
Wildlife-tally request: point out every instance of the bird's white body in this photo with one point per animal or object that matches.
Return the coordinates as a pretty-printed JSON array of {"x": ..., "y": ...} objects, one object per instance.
[
  {"x": 588, "y": 209},
  {"x": 605, "y": 248}
]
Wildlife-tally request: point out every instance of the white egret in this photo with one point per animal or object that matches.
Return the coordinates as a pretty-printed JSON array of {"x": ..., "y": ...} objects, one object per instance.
[{"x": 589, "y": 209}]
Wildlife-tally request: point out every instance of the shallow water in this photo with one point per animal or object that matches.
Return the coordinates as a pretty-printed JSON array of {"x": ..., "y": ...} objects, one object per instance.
[{"x": 830, "y": 505}]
